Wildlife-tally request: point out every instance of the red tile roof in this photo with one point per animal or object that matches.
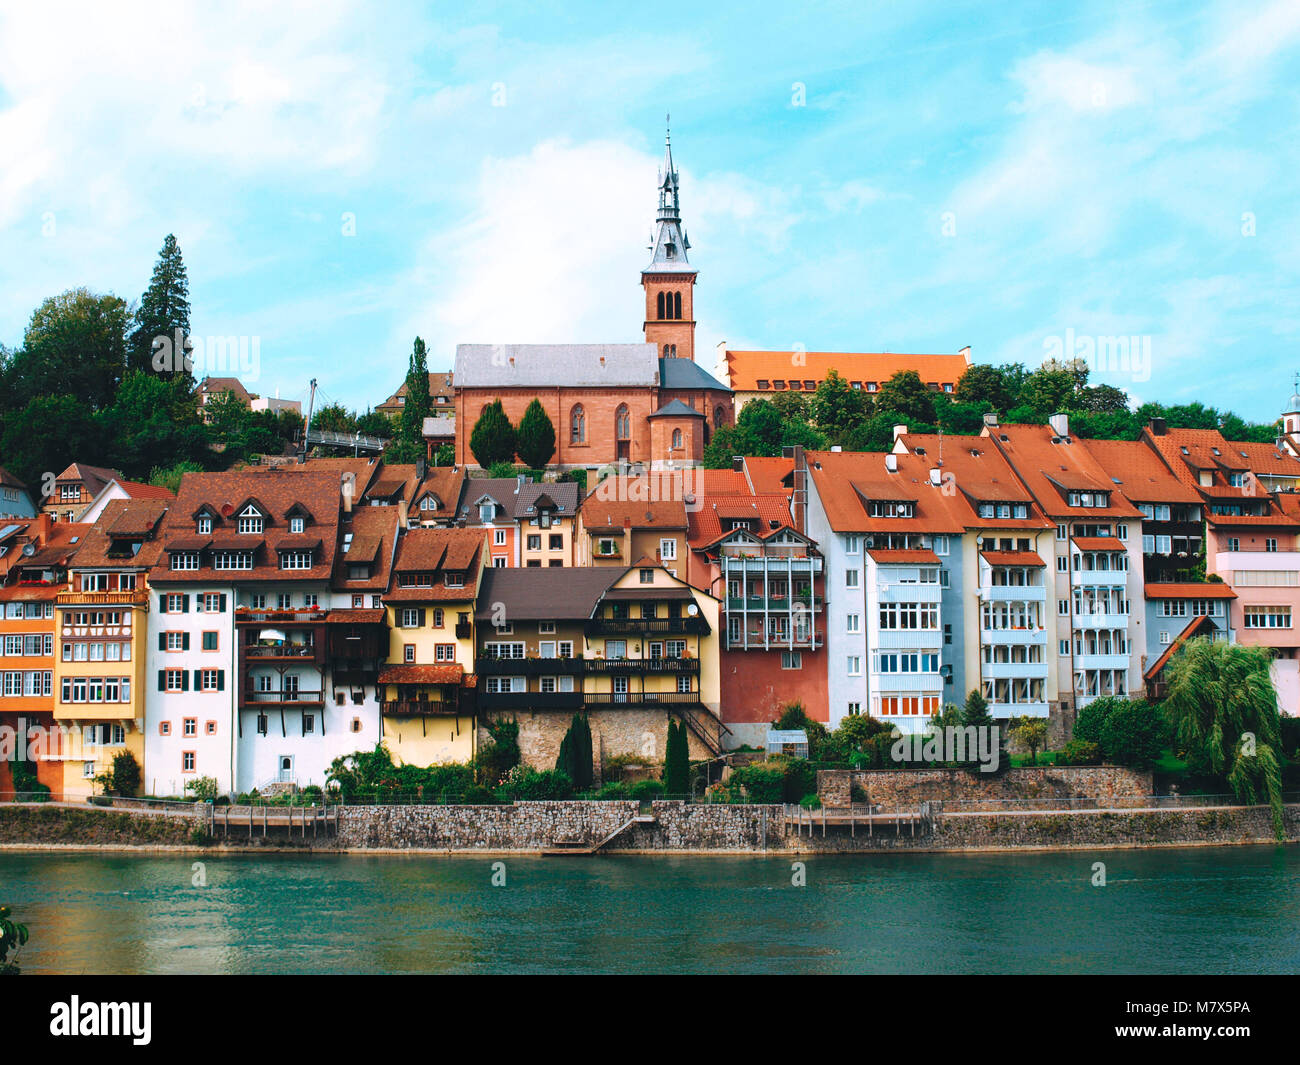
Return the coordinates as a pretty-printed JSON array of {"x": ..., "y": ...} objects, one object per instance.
[
  {"x": 1141, "y": 474},
  {"x": 1051, "y": 469},
  {"x": 846, "y": 480},
  {"x": 747, "y": 368},
  {"x": 1012, "y": 558},
  {"x": 895, "y": 556},
  {"x": 1212, "y": 590},
  {"x": 654, "y": 501},
  {"x": 769, "y": 474},
  {"x": 1099, "y": 543},
  {"x": 138, "y": 490}
]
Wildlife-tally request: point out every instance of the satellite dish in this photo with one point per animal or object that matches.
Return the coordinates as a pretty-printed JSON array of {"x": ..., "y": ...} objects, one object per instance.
[
  {"x": 29, "y": 550},
  {"x": 692, "y": 609}
]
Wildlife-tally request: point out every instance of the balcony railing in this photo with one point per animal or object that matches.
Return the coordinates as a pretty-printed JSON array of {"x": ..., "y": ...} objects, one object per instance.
[
  {"x": 418, "y": 707},
  {"x": 300, "y": 697},
  {"x": 641, "y": 665},
  {"x": 464, "y": 630},
  {"x": 774, "y": 602},
  {"x": 620, "y": 699},
  {"x": 530, "y": 700},
  {"x": 138, "y": 597},
  {"x": 247, "y": 616},
  {"x": 602, "y": 626},
  {"x": 294, "y": 651}
]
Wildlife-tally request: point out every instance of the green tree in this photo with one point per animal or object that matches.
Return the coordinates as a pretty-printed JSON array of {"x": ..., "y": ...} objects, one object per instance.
[
  {"x": 446, "y": 455},
  {"x": 677, "y": 760},
  {"x": 575, "y": 760},
  {"x": 124, "y": 776},
  {"x": 997, "y": 386},
  {"x": 1222, "y": 707},
  {"x": 228, "y": 415},
  {"x": 792, "y": 405},
  {"x": 374, "y": 423},
  {"x": 975, "y": 711},
  {"x": 74, "y": 345},
  {"x": 1031, "y": 733},
  {"x": 493, "y": 438},
  {"x": 905, "y": 395},
  {"x": 45, "y": 436},
  {"x": 1133, "y": 734},
  {"x": 164, "y": 313},
  {"x": 417, "y": 405},
  {"x": 334, "y": 418},
  {"x": 169, "y": 477},
  {"x": 535, "y": 437},
  {"x": 838, "y": 408}
]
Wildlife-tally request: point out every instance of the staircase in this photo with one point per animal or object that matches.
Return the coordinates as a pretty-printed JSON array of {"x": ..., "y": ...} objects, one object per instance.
[
  {"x": 706, "y": 725},
  {"x": 581, "y": 849}
]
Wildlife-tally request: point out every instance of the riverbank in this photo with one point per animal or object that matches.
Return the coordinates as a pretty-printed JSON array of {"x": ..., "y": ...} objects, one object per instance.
[{"x": 668, "y": 827}]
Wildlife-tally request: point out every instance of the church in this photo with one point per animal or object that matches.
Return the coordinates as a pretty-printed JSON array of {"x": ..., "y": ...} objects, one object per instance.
[{"x": 647, "y": 404}]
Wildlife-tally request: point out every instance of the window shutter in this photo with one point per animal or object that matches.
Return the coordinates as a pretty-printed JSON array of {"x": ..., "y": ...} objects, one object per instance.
[
  {"x": 421, "y": 616},
  {"x": 222, "y": 608},
  {"x": 162, "y": 604},
  {"x": 162, "y": 680},
  {"x": 162, "y": 641},
  {"x": 185, "y": 641},
  {"x": 221, "y": 680},
  {"x": 198, "y": 680},
  {"x": 185, "y": 604},
  {"x": 185, "y": 681}
]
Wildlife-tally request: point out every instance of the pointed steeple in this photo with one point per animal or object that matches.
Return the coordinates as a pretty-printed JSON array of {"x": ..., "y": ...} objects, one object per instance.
[{"x": 669, "y": 243}]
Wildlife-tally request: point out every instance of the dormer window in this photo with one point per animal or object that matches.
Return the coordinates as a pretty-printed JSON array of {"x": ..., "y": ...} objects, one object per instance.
[
  {"x": 204, "y": 525},
  {"x": 891, "y": 508},
  {"x": 430, "y": 502},
  {"x": 295, "y": 560},
  {"x": 455, "y": 580},
  {"x": 487, "y": 511},
  {"x": 296, "y": 525},
  {"x": 250, "y": 520}
]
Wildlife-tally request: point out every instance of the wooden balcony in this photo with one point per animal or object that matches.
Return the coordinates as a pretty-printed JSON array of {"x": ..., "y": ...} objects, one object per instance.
[
  {"x": 138, "y": 597},
  {"x": 420, "y": 707},
  {"x": 528, "y": 667},
  {"x": 637, "y": 626},
  {"x": 282, "y": 698},
  {"x": 618, "y": 700},
  {"x": 625, "y": 666}
]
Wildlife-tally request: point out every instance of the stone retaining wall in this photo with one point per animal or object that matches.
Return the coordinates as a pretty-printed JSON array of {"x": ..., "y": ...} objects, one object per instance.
[
  {"x": 911, "y": 787},
  {"x": 92, "y": 826}
]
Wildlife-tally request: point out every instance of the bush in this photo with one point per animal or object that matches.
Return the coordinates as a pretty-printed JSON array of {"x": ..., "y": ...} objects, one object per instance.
[
  {"x": 204, "y": 789},
  {"x": 646, "y": 789},
  {"x": 311, "y": 795},
  {"x": 1133, "y": 734},
  {"x": 1079, "y": 752},
  {"x": 1091, "y": 718},
  {"x": 762, "y": 782},
  {"x": 615, "y": 789},
  {"x": 1290, "y": 734},
  {"x": 799, "y": 778},
  {"x": 523, "y": 783},
  {"x": 477, "y": 795},
  {"x": 811, "y": 802}
]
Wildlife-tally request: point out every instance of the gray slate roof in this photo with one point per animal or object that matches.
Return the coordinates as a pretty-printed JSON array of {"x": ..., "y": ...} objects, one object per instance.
[
  {"x": 549, "y": 365},
  {"x": 552, "y": 593},
  {"x": 563, "y": 493},
  {"x": 687, "y": 374},
  {"x": 678, "y": 408}
]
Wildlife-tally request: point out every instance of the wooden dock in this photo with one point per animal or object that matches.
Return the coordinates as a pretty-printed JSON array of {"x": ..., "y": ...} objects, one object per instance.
[
  {"x": 914, "y": 821},
  {"x": 235, "y": 821}
]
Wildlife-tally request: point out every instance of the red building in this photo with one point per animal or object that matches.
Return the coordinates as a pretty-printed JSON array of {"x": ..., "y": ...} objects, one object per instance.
[{"x": 647, "y": 403}]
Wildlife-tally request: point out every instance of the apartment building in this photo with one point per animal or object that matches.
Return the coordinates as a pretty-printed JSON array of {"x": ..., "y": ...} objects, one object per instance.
[
  {"x": 75, "y": 489},
  {"x": 627, "y": 517},
  {"x": 1252, "y": 520},
  {"x": 996, "y": 595},
  {"x": 236, "y": 639},
  {"x": 100, "y": 683},
  {"x": 428, "y": 711},
  {"x": 745, "y": 551}
]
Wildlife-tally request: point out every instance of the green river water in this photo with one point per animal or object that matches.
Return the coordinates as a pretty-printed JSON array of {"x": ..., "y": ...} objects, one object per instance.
[{"x": 1195, "y": 910}]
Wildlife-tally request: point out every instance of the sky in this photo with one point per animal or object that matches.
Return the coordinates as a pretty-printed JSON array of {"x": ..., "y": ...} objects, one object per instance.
[{"x": 341, "y": 177}]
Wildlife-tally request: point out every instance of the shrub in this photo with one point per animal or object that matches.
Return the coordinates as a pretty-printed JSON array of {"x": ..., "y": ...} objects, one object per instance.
[
  {"x": 646, "y": 789},
  {"x": 1080, "y": 752},
  {"x": 1088, "y": 724},
  {"x": 501, "y": 754},
  {"x": 799, "y": 778},
  {"x": 1290, "y": 734},
  {"x": 811, "y": 802},
  {"x": 616, "y": 789},
  {"x": 575, "y": 757},
  {"x": 762, "y": 782},
  {"x": 1133, "y": 734},
  {"x": 523, "y": 783},
  {"x": 203, "y": 789},
  {"x": 677, "y": 762},
  {"x": 477, "y": 795},
  {"x": 311, "y": 795}
]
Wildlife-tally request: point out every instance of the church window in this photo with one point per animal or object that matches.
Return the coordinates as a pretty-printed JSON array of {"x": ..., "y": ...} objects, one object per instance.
[
  {"x": 677, "y": 304},
  {"x": 661, "y": 305},
  {"x": 719, "y": 416},
  {"x": 623, "y": 423},
  {"x": 677, "y": 439},
  {"x": 578, "y": 426}
]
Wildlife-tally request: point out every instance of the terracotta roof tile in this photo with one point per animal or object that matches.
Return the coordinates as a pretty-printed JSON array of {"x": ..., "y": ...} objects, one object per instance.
[{"x": 747, "y": 368}]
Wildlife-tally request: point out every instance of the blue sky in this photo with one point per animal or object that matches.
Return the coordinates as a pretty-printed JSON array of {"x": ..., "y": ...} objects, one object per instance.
[{"x": 949, "y": 174}]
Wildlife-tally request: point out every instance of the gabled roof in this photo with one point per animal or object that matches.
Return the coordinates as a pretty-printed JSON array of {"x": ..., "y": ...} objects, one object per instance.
[
  {"x": 846, "y": 482},
  {"x": 438, "y": 551},
  {"x": 770, "y": 474},
  {"x": 94, "y": 478},
  {"x": 1189, "y": 590},
  {"x": 560, "y": 496},
  {"x": 637, "y": 502},
  {"x": 550, "y": 593},
  {"x": 1195, "y": 627},
  {"x": 1139, "y": 473},
  {"x": 711, "y": 522},
  {"x": 217, "y": 385},
  {"x": 676, "y": 409},
  {"x": 123, "y": 521},
  {"x": 446, "y": 484},
  {"x": 1051, "y": 466},
  {"x": 374, "y": 535},
  {"x": 556, "y": 365},
  {"x": 138, "y": 490},
  {"x": 979, "y": 472}
]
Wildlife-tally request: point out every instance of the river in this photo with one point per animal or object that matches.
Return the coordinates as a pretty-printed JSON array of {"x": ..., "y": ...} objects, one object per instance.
[{"x": 1186, "y": 910}]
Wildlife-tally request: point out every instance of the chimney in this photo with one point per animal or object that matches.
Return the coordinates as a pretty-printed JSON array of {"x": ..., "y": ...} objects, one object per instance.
[
  {"x": 1158, "y": 427},
  {"x": 738, "y": 463},
  {"x": 891, "y": 462},
  {"x": 936, "y": 475},
  {"x": 1060, "y": 424},
  {"x": 401, "y": 514},
  {"x": 899, "y": 430},
  {"x": 348, "y": 485},
  {"x": 799, "y": 495},
  {"x": 421, "y": 467},
  {"x": 965, "y": 354},
  {"x": 991, "y": 419}
]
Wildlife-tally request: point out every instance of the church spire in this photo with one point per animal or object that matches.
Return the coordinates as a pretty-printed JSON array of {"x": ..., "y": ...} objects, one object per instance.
[{"x": 669, "y": 243}]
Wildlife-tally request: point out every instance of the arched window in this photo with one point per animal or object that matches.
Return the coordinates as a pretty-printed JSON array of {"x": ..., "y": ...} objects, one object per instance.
[
  {"x": 670, "y": 351},
  {"x": 677, "y": 304},
  {"x": 578, "y": 426},
  {"x": 661, "y": 305},
  {"x": 622, "y": 423},
  {"x": 677, "y": 439},
  {"x": 719, "y": 416}
]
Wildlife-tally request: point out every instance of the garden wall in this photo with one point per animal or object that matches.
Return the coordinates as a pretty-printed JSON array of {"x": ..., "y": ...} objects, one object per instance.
[{"x": 911, "y": 787}]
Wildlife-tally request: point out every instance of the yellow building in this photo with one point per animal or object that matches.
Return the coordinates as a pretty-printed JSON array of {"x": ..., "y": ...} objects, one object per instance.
[
  {"x": 101, "y": 624},
  {"x": 427, "y": 707}
]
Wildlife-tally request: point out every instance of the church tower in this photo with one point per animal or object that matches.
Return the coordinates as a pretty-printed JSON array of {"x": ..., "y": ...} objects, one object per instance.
[{"x": 669, "y": 280}]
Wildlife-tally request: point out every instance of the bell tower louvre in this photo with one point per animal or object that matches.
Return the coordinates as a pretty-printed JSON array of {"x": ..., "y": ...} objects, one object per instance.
[{"x": 669, "y": 280}]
